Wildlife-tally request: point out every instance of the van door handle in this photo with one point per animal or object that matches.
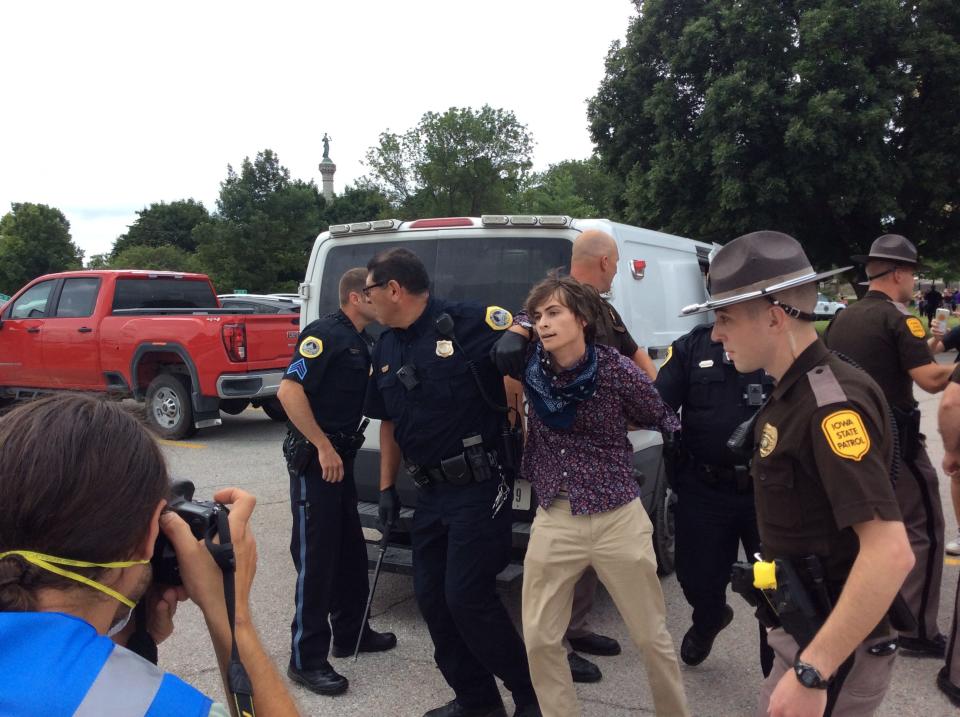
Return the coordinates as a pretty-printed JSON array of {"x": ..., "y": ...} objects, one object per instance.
[
  {"x": 84, "y": 329},
  {"x": 33, "y": 329}
]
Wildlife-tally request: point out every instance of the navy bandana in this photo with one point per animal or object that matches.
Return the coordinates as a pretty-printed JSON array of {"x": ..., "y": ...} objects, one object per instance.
[{"x": 557, "y": 405}]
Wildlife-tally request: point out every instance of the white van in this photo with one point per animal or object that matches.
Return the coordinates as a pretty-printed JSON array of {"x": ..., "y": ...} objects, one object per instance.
[{"x": 495, "y": 259}]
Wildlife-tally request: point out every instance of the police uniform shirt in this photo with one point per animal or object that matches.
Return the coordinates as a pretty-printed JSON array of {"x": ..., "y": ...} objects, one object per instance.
[
  {"x": 822, "y": 463},
  {"x": 332, "y": 363},
  {"x": 697, "y": 378},
  {"x": 432, "y": 418},
  {"x": 885, "y": 340}
]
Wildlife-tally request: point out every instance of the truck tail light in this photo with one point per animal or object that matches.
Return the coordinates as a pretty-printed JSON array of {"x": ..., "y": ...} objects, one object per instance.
[
  {"x": 235, "y": 341},
  {"x": 638, "y": 268}
]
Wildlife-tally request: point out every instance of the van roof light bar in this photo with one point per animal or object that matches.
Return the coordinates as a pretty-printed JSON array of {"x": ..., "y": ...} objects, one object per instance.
[
  {"x": 384, "y": 224},
  {"x": 335, "y": 229},
  {"x": 523, "y": 220},
  {"x": 554, "y": 221},
  {"x": 360, "y": 227},
  {"x": 495, "y": 220}
]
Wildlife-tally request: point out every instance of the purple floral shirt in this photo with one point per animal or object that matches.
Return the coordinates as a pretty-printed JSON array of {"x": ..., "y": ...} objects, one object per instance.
[{"x": 593, "y": 460}]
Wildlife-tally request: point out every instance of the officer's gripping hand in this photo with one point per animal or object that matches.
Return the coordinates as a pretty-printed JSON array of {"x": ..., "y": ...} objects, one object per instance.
[
  {"x": 509, "y": 354},
  {"x": 389, "y": 513},
  {"x": 331, "y": 465}
]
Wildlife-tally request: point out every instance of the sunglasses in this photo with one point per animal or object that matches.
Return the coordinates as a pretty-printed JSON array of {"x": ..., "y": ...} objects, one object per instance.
[{"x": 366, "y": 289}]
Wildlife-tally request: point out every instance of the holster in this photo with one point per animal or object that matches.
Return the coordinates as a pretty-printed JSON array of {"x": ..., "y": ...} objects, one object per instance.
[
  {"x": 908, "y": 432},
  {"x": 347, "y": 444},
  {"x": 298, "y": 452}
]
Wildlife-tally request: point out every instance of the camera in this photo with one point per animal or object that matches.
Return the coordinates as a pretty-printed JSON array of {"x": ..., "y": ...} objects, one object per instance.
[{"x": 202, "y": 517}]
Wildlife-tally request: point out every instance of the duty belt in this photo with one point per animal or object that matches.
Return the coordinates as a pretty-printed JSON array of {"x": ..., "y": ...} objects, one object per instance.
[
  {"x": 455, "y": 470},
  {"x": 346, "y": 443},
  {"x": 737, "y": 476}
]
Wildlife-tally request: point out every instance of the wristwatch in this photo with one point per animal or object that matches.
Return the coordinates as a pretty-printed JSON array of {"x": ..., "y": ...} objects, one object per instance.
[{"x": 808, "y": 675}]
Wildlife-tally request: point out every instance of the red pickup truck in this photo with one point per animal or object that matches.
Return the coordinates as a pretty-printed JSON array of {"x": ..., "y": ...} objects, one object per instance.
[{"x": 160, "y": 337}]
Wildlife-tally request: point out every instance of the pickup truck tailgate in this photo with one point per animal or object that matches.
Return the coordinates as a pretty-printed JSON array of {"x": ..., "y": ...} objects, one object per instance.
[{"x": 271, "y": 339}]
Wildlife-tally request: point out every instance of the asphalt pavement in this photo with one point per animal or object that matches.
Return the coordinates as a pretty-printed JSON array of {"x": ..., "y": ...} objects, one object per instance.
[{"x": 245, "y": 452}]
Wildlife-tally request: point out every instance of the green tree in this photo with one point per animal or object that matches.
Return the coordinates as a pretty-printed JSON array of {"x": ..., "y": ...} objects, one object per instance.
[
  {"x": 461, "y": 162},
  {"x": 164, "y": 257},
  {"x": 34, "y": 240},
  {"x": 579, "y": 188},
  {"x": 261, "y": 235},
  {"x": 359, "y": 203},
  {"x": 721, "y": 118},
  {"x": 164, "y": 224}
]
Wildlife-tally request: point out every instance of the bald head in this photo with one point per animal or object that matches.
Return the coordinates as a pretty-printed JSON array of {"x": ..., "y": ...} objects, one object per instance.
[{"x": 594, "y": 260}]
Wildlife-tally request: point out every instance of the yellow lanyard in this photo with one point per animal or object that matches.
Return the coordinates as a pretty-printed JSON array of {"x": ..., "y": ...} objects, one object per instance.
[{"x": 47, "y": 563}]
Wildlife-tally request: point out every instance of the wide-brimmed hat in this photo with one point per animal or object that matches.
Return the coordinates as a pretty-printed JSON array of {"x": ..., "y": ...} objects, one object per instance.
[
  {"x": 890, "y": 247},
  {"x": 755, "y": 265}
]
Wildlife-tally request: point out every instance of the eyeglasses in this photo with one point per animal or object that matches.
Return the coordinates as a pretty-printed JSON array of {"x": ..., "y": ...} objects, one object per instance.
[{"x": 366, "y": 289}]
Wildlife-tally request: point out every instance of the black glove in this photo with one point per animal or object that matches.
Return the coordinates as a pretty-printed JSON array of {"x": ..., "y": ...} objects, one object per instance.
[
  {"x": 509, "y": 354},
  {"x": 389, "y": 514}
]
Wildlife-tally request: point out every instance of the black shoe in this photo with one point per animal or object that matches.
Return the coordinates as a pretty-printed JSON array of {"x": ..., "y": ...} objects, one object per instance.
[
  {"x": 922, "y": 647},
  {"x": 455, "y": 709},
  {"x": 582, "y": 669},
  {"x": 947, "y": 687},
  {"x": 371, "y": 642},
  {"x": 696, "y": 647},
  {"x": 594, "y": 644},
  {"x": 324, "y": 681},
  {"x": 532, "y": 710}
]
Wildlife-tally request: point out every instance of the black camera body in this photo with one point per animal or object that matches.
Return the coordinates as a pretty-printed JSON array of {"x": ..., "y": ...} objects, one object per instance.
[{"x": 201, "y": 515}]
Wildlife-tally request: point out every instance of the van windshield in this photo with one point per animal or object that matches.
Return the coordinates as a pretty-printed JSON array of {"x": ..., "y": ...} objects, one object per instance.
[{"x": 490, "y": 270}]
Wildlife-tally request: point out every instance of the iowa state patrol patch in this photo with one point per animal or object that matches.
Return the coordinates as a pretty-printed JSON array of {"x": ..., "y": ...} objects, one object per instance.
[
  {"x": 311, "y": 347},
  {"x": 916, "y": 328},
  {"x": 498, "y": 319},
  {"x": 768, "y": 440},
  {"x": 846, "y": 434}
]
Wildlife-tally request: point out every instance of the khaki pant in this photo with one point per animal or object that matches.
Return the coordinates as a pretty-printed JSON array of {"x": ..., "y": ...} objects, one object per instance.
[
  {"x": 861, "y": 691},
  {"x": 618, "y": 544},
  {"x": 584, "y": 594}
]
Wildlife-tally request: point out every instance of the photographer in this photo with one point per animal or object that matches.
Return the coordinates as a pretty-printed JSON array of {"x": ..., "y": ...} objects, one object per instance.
[{"x": 82, "y": 490}]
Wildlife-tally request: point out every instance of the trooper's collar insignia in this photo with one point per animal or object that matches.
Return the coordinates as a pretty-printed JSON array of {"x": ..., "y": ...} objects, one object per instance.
[
  {"x": 444, "y": 348},
  {"x": 768, "y": 440}
]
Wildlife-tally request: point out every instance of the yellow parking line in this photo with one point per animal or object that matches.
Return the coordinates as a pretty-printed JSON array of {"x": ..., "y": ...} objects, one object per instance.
[
  {"x": 951, "y": 561},
  {"x": 180, "y": 444}
]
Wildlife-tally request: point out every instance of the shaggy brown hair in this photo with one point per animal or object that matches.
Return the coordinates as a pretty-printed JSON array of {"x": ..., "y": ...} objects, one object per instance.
[{"x": 582, "y": 300}]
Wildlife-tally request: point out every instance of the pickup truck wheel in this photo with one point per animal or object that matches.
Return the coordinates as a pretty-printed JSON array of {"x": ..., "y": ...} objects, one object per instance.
[
  {"x": 168, "y": 407},
  {"x": 664, "y": 532},
  {"x": 234, "y": 406},
  {"x": 273, "y": 408}
]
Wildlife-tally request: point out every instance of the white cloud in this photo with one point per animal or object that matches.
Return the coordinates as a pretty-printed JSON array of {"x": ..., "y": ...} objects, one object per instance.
[{"x": 113, "y": 106}]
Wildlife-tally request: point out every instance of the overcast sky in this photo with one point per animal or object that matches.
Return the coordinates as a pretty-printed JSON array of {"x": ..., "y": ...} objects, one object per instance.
[{"x": 110, "y": 107}]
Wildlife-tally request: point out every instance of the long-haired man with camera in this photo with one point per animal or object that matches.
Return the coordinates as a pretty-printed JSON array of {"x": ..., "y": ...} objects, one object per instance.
[{"x": 82, "y": 494}]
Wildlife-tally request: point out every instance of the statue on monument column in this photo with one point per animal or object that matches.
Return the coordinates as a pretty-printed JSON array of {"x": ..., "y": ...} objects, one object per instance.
[{"x": 326, "y": 146}]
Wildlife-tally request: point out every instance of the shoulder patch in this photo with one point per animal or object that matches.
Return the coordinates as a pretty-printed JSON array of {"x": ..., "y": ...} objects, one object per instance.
[
  {"x": 846, "y": 434},
  {"x": 311, "y": 347},
  {"x": 669, "y": 355},
  {"x": 916, "y": 328},
  {"x": 498, "y": 319},
  {"x": 826, "y": 389}
]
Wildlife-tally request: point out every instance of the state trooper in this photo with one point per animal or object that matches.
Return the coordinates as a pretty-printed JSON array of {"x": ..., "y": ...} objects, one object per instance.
[
  {"x": 322, "y": 393},
  {"x": 826, "y": 512},
  {"x": 880, "y": 334},
  {"x": 715, "y": 512},
  {"x": 438, "y": 395},
  {"x": 948, "y": 679}
]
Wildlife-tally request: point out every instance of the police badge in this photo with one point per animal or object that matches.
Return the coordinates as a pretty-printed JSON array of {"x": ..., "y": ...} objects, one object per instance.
[{"x": 444, "y": 348}]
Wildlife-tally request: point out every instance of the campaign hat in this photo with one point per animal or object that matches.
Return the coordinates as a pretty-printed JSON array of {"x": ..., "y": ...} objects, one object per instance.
[
  {"x": 890, "y": 247},
  {"x": 754, "y": 265}
]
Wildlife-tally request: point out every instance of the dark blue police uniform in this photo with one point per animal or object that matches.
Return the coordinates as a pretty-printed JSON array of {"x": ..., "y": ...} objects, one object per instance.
[
  {"x": 332, "y": 363},
  {"x": 715, "y": 509},
  {"x": 458, "y": 548}
]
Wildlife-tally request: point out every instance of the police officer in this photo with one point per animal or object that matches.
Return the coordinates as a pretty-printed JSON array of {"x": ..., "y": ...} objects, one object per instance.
[
  {"x": 436, "y": 391},
  {"x": 322, "y": 393},
  {"x": 948, "y": 679},
  {"x": 714, "y": 511},
  {"x": 821, "y": 477},
  {"x": 881, "y": 335}
]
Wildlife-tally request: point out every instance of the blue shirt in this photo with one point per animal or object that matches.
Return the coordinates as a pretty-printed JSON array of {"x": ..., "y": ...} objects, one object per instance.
[{"x": 432, "y": 418}]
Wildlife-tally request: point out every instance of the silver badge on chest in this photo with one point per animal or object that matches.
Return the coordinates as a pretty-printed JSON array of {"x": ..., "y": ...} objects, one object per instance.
[{"x": 444, "y": 348}]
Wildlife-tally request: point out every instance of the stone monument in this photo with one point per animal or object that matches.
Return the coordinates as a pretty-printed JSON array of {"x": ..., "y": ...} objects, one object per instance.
[{"x": 327, "y": 169}]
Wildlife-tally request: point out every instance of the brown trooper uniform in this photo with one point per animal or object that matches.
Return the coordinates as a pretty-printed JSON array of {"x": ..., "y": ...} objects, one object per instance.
[
  {"x": 887, "y": 341},
  {"x": 823, "y": 450}
]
